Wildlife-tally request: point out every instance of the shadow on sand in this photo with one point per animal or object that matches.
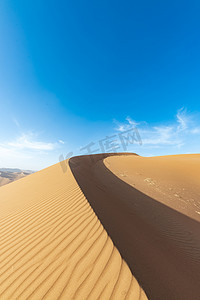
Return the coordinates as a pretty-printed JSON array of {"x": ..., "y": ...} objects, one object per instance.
[{"x": 160, "y": 245}]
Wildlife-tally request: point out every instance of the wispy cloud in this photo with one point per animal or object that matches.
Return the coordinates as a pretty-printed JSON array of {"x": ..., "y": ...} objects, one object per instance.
[
  {"x": 28, "y": 151},
  {"x": 176, "y": 133},
  {"x": 163, "y": 135},
  {"x": 16, "y": 122},
  {"x": 61, "y": 142},
  {"x": 182, "y": 120},
  {"x": 126, "y": 125},
  {"x": 195, "y": 130},
  {"x": 27, "y": 141}
]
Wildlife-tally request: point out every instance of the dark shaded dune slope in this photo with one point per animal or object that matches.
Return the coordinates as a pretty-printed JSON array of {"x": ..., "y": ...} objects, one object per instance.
[{"x": 160, "y": 245}]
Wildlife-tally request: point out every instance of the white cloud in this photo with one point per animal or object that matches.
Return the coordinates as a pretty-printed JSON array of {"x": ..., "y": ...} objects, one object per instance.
[
  {"x": 195, "y": 130},
  {"x": 126, "y": 126},
  {"x": 61, "y": 142},
  {"x": 159, "y": 136},
  {"x": 182, "y": 119},
  {"x": 26, "y": 141},
  {"x": 6, "y": 151},
  {"x": 170, "y": 137},
  {"x": 28, "y": 152},
  {"x": 131, "y": 122}
]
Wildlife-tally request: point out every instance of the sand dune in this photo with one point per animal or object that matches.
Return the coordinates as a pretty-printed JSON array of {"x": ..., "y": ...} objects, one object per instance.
[
  {"x": 58, "y": 230},
  {"x": 173, "y": 180},
  {"x": 52, "y": 245},
  {"x": 10, "y": 175},
  {"x": 150, "y": 208}
]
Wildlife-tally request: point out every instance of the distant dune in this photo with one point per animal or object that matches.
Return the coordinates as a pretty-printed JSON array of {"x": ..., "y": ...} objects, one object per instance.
[
  {"x": 8, "y": 175},
  {"x": 52, "y": 245},
  {"x": 102, "y": 227}
]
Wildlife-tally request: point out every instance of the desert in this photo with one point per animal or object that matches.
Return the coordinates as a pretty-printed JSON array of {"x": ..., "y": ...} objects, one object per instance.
[
  {"x": 99, "y": 150},
  {"x": 98, "y": 231}
]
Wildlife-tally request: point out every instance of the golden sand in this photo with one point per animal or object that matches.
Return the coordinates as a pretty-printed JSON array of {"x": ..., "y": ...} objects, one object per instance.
[{"x": 53, "y": 246}]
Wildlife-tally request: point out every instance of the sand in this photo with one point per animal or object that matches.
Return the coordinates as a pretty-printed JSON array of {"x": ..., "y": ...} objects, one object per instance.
[
  {"x": 109, "y": 225},
  {"x": 173, "y": 180},
  {"x": 150, "y": 209},
  {"x": 8, "y": 176},
  {"x": 53, "y": 246}
]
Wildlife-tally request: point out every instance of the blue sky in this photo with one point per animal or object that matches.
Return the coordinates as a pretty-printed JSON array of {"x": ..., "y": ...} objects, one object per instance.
[{"x": 75, "y": 72}]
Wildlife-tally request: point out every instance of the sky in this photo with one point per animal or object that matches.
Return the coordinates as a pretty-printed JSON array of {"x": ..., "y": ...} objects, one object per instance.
[{"x": 79, "y": 77}]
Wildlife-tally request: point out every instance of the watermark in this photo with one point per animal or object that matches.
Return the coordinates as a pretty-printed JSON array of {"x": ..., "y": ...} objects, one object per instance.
[{"x": 110, "y": 144}]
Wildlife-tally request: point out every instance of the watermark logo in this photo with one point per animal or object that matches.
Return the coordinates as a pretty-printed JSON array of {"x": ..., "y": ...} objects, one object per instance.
[{"x": 110, "y": 144}]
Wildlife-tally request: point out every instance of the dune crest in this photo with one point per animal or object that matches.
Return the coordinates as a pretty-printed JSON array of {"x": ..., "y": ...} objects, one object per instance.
[{"x": 52, "y": 245}]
